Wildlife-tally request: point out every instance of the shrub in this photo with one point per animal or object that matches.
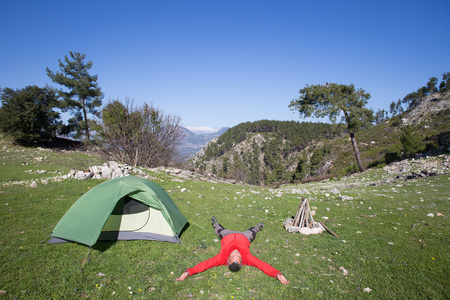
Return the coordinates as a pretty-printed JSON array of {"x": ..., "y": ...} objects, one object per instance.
[
  {"x": 27, "y": 115},
  {"x": 390, "y": 157},
  {"x": 411, "y": 142}
]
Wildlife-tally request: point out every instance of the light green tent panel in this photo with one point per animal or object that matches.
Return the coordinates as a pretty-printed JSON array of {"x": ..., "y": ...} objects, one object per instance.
[
  {"x": 85, "y": 221},
  {"x": 156, "y": 224},
  {"x": 150, "y": 220},
  {"x": 132, "y": 221}
]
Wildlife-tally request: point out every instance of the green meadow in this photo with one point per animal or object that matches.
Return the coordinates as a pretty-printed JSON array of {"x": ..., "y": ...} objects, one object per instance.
[{"x": 387, "y": 246}]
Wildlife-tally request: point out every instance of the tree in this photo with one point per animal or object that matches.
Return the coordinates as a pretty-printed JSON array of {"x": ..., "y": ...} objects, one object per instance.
[
  {"x": 300, "y": 171},
  {"x": 395, "y": 108},
  {"x": 431, "y": 85},
  {"x": 398, "y": 107},
  {"x": 28, "y": 115},
  {"x": 83, "y": 96},
  {"x": 411, "y": 142},
  {"x": 380, "y": 116},
  {"x": 336, "y": 100},
  {"x": 444, "y": 86},
  {"x": 139, "y": 136}
]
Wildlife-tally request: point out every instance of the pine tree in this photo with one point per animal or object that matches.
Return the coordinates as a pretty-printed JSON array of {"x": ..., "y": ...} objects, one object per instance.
[
  {"x": 337, "y": 100},
  {"x": 83, "y": 97}
]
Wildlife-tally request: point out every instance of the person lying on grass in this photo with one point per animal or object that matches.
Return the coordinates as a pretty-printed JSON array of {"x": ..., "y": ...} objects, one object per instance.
[{"x": 235, "y": 252}]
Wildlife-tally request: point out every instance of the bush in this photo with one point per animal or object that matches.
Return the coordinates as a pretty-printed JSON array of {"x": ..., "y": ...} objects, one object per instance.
[
  {"x": 352, "y": 169},
  {"x": 411, "y": 142},
  {"x": 27, "y": 115},
  {"x": 396, "y": 123},
  {"x": 377, "y": 164},
  {"x": 390, "y": 157},
  {"x": 139, "y": 136}
]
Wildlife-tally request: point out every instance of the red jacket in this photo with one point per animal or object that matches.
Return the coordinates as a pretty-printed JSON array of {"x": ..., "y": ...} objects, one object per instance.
[{"x": 229, "y": 243}]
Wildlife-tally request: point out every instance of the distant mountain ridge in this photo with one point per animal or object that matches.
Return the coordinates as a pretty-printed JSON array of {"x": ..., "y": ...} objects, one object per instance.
[
  {"x": 202, "y": 130},
  {"x": 192, "y": 142}
]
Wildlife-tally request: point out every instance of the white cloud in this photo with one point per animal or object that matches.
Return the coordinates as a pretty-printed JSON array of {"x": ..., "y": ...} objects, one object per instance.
[{"x": 201, "y": 130}]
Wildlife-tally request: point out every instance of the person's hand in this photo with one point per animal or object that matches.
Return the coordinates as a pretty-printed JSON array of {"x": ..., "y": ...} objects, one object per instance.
[
  {"x": 282, "y": 279},
  {"x": 183, "y": 276}
]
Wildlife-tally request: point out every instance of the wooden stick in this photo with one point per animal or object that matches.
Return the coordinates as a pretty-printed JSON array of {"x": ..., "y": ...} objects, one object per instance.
[
  {"x": 308, "y": 214},
  {"x": 299, "y": 213},
  {"x": 328, "y": 229},
  {"x": 297, "y": 216},
  {"x": 302, "y": 214}
]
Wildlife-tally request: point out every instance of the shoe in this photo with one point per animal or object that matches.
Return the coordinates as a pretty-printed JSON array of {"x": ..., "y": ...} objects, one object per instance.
[
  {"x": 213, "y": 220},
  {"x": 260, "y": 226}
]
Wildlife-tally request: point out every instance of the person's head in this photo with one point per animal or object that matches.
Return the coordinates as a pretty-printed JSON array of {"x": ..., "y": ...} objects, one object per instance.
[{"x": 235, "y": 261}]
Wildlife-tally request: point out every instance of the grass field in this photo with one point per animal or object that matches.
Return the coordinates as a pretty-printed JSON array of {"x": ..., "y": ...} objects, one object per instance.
[{"x": 386, "y": 241}]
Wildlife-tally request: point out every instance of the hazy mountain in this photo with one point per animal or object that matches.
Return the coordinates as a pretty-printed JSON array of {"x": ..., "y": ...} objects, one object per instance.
[
  {"x": 202, "y": 130},
  {"x": 192, "y": 142}
]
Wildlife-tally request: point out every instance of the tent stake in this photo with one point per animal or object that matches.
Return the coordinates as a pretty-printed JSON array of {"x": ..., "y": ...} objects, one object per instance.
[{"x": 87, "y": 255}]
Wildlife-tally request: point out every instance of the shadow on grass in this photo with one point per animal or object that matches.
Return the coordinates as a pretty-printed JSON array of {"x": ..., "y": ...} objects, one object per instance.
[
  {"x": 102, "y": 246},
  {"x": 186, "y": 226}
]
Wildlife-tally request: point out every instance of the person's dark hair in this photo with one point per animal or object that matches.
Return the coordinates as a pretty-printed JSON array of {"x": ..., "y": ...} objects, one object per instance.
[{"x": 235, "y": 266}]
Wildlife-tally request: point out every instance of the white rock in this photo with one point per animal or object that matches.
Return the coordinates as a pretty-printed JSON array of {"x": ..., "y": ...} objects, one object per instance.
[
  {"x": 113, "y": 164},
  {"x": 117, "y": 173},
  {"x": 335, "y": 191},
  {"x": 94, "y": 170},
  {"x": 106, "y": 173}
]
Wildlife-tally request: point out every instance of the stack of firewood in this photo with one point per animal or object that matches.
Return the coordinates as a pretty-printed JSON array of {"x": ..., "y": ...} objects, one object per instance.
[
  {"x": 303, "y": 218},
  {"x": 303, "y": 221}
]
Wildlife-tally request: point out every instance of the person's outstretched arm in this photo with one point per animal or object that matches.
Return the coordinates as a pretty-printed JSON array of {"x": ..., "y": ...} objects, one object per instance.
[
  {"x": 183, "y": 276},
  {"x": 214, "y": 261}
]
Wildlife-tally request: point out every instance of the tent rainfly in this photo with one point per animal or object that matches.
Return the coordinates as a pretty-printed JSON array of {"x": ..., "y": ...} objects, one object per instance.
[
  {"x": 125, "y": 208},
  {"x": 303, "y": 221}
]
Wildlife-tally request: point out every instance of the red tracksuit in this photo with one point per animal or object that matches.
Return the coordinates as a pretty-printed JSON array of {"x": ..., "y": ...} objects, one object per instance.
[{"x": 229, "y": 243}]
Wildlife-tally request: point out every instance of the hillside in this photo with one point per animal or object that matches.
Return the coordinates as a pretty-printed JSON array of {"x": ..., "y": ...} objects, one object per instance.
[
  {"x": 260, "y": 152},
  {"x": 267, "y": 152}
]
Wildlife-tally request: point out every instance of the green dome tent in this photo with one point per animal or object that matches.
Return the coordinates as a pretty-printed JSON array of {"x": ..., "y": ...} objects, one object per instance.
[{"x": 125, "y": 208}]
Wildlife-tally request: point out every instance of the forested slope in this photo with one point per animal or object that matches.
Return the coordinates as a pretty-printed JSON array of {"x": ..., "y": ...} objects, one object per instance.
[{"x": 261, "y": 152}]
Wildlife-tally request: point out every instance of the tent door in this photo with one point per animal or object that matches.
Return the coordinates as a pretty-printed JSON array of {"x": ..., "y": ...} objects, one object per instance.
[{"x": 128, "y": 215}]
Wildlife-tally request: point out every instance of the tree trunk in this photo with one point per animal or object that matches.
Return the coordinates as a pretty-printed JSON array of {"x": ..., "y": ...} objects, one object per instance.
[
  {"x": 88, "y": 136},
  {"x": 357, "y": 155}
]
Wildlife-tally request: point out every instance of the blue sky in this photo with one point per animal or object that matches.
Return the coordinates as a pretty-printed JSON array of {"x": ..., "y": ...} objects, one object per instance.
[{"x": 219, "y": 63}]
